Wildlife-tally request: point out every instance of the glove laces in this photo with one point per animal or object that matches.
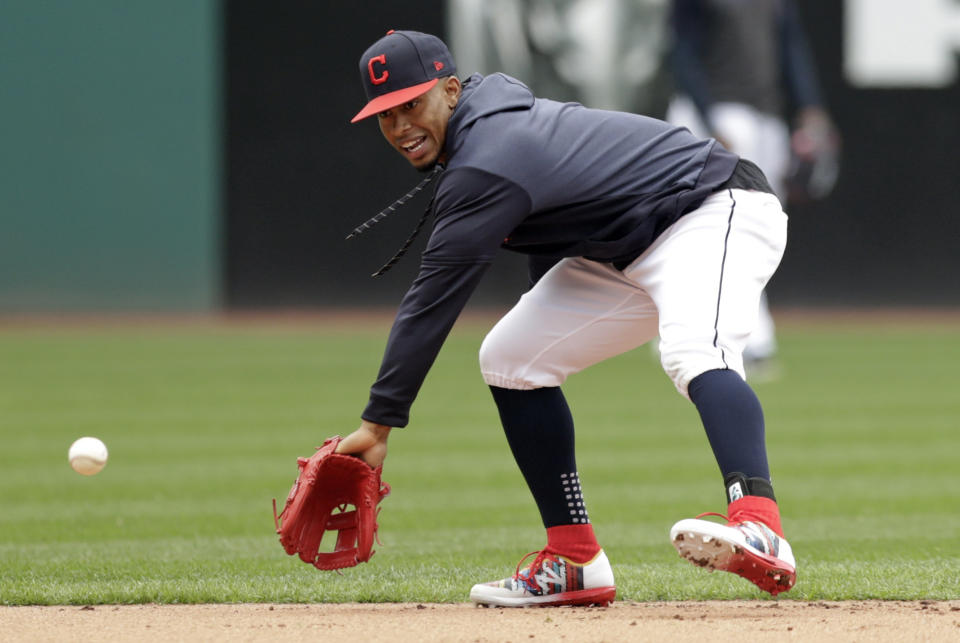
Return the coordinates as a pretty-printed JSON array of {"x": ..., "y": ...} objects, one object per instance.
[{"x": 390, "y": 209}]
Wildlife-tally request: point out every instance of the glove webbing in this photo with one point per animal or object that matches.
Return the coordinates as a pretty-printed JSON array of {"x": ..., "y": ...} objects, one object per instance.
[{"x": 316, "y": 494}]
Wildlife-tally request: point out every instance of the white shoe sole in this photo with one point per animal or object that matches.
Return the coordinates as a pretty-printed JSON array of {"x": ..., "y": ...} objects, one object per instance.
[
  {"x": 599, "y": 596},
  {"x": 596, "y": 581}
]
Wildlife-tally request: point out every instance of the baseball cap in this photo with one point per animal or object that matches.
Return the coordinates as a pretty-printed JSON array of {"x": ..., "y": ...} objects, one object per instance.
[{"x": 399, "y": 67}]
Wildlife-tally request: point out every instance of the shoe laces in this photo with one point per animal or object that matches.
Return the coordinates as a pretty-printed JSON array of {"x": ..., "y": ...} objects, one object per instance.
[
  {"x": 714, "y": 513},
  {"x": 541, "y": 556},
  {"x": 736, "y": 518}
]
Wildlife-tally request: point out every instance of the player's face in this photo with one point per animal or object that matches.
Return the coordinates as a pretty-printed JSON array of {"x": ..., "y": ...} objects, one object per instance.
[{"x": 418, "y": 129}]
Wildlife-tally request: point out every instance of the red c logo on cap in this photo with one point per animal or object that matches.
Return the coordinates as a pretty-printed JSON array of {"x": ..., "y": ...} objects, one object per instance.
[{"x": 378, "y": 80}]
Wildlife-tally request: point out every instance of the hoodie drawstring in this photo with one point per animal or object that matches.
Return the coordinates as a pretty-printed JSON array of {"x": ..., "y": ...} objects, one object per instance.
[{"x": 390, "y": 209}]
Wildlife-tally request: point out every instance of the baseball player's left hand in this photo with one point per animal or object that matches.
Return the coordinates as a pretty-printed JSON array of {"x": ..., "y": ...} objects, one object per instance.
[
  {"x": 327, "y": 483},
  {"x": 369, "y": 442}
]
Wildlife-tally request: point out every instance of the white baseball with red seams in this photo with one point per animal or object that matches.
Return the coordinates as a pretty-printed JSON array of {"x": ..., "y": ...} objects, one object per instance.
[{"x": 88, "y": 456}]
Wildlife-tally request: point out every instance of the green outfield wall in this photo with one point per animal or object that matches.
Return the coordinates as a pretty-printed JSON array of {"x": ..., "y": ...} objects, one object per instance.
[
  {"x": 109, "y": 155},
  {"x": 197, "y": 155}
]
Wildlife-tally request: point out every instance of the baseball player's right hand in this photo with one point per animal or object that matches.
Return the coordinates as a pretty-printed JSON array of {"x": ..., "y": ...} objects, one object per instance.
[{"x": 369, "y": 443}]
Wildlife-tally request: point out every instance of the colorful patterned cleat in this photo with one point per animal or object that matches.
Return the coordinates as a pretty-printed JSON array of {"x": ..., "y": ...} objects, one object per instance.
[
  {"x": 747, "y": 548},
  {"x": 549, "y": 581}
]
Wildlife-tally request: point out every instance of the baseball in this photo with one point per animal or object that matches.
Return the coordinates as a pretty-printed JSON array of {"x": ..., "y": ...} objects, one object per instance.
[{"x": 88, "y": 456}]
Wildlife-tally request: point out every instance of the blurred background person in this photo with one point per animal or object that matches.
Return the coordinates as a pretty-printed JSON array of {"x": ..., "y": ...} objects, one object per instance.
[
  {"x": 740, "y": 71},
  {"x": 744, "y": 74},
  {"x": 606, "y": 54}
]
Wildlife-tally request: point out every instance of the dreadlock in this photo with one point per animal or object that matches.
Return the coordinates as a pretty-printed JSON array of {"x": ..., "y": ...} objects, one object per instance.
[{"x": 390, "y": 209}]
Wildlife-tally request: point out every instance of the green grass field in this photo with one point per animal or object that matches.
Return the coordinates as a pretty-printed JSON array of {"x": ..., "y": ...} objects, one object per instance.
[{"x": 204, "y": 423}]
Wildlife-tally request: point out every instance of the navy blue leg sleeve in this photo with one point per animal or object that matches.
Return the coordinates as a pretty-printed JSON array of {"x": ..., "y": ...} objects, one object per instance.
[
  {"x": 733, "y": 419},
  {"x": 539, "y": 429}
]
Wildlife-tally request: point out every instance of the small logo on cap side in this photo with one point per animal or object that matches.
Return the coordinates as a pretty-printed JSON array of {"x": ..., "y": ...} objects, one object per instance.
[
  {"x": 437, "y": 65},
  {"x": 382, "y": 78}
]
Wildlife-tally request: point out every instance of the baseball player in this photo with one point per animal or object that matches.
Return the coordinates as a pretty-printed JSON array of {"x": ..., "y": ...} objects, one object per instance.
[
  {"x": 633, "y": 227},
  {"x": 739, "y": 67}
]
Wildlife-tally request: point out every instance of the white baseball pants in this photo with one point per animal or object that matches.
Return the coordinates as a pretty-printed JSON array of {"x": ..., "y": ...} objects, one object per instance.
[
  {"x": 698, "y": 286},
  {"x": 765, "y": 140}
]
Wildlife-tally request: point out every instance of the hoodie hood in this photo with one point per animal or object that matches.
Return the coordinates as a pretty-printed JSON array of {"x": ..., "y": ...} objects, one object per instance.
[{"x": 483, "y": 96}]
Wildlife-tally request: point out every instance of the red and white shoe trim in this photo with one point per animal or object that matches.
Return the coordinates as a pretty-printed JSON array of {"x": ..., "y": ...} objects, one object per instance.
[
  {"x": 554, "y": 581},
  {"x": 749, "y": 549}
]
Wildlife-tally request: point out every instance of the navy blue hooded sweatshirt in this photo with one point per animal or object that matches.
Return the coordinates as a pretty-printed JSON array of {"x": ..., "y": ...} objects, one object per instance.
[{"x": 543, "y": 178}]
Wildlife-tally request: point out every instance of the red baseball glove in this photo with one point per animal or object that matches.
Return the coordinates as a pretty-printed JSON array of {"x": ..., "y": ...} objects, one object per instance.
[{"x": 330, "y": 482}]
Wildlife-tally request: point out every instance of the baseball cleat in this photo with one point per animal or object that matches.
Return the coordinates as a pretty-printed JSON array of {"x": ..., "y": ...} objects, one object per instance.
[
  {"x": 747, "y": 548},
  {"x": 549, "y": 581}
]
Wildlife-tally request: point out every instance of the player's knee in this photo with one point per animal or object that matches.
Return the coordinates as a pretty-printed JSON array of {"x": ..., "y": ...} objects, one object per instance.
[
  {"x": 504, "y": 363},
  {"x": 684, "y": 361},
  {"x": 498, "y": 364}
]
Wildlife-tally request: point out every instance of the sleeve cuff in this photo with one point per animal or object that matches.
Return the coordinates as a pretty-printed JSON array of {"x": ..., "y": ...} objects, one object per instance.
[{"x": 383, "y": 411}]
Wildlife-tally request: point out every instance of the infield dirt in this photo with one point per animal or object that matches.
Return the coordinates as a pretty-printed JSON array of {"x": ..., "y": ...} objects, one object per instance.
[{"x": 399, "y": 622}]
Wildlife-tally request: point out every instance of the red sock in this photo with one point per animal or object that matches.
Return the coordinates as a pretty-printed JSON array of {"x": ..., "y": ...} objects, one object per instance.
[
  {"x": 576, "y": 542},
  {"x": 756, "y": 508}
]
